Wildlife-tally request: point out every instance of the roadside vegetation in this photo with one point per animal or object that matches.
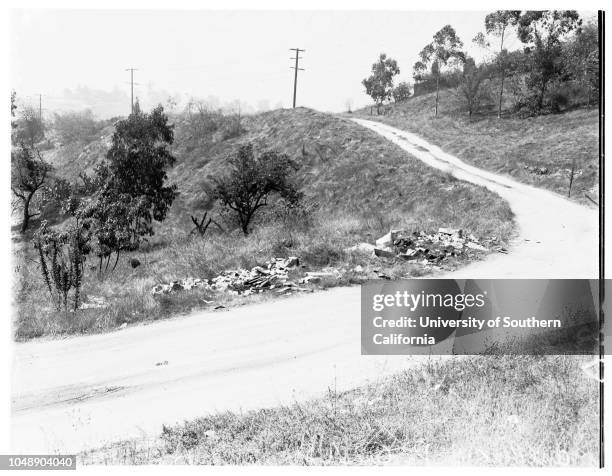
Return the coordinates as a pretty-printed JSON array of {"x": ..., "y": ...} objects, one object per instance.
[
  {"x": 530, "y": 113},
  {"x": 336, "y": 185},
  {"x": 517, "y": 411}
]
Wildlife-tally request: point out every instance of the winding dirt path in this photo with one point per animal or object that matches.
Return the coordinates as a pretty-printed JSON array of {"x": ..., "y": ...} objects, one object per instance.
[
  {"x": 84, "y": 392},
  {"x": 557, "y": 238}
]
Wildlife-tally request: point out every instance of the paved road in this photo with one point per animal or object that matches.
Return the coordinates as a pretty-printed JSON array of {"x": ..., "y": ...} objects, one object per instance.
[{"x": 83, "y": 392}]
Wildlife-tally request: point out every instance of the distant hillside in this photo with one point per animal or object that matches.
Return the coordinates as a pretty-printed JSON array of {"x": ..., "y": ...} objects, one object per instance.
[{"x": 536, "y": 150}]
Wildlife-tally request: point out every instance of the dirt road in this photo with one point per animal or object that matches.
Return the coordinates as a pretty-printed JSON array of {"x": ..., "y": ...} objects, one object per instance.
[{"x": 83, "y": 392}]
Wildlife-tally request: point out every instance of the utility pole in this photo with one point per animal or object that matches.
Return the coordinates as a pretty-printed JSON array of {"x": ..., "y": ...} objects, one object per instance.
[
  {"x": 131, "y": 70},
  {"x": 296, "y": 68}
]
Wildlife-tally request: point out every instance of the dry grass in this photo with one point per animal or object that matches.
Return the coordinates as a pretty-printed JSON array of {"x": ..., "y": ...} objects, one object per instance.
[
  {"x": 510, "y": 145},
  {"x": 358, "y": 184},
  {"x": 486, "y": 410}
]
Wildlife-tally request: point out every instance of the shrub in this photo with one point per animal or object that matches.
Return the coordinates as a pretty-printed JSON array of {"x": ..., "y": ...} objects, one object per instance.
[
  {"x": 76, "y": 126},
  {"x": 252, "y": 179}
]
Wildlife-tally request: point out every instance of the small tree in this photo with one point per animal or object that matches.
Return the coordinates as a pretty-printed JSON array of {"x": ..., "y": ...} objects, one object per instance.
[
  {"x": 542, "y": 31},
  {"x": 470, "y": 87},
  {"x": 30, "y": 127},
  {"x": 29, "y": 173},
  {"x": 497, "y": 24},
  {"x": 116, "y": 223},
  {"x": 379, "y": 86},
  {"x": 62, "y": 257},
  {"x": 442, "y": 51},
  {"x": 401, "y": 92},
  {"x": 252, "y": 179}
]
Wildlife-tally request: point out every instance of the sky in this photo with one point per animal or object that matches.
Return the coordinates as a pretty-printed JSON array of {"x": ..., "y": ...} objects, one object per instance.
[{"x": 78, "y": 58}]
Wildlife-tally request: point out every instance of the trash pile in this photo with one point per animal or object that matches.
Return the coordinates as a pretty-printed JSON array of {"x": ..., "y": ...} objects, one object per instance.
[
  {"x": 423, "y": 247},
  {"x": 274, "y": 275}
]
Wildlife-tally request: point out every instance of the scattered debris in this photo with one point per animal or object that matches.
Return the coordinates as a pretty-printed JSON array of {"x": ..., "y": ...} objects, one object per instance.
[
  {"x": 426, "y": 248},
  {"x": 274, "y": 275},
  {"x": 159, "y": 364}
]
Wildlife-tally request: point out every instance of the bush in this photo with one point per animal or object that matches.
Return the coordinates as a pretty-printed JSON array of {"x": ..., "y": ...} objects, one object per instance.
[
  {"x": 76, "y": 126},
  {"x": 401, "y": 92},
  {"x": 252, "y": 179}
]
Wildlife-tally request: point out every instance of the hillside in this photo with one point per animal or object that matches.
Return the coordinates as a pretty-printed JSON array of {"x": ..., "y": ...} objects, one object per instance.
[
  {"x": 344, "y": 170},
  {"x": 357, "y": 186},
  {"x": 535, "y": 150}
]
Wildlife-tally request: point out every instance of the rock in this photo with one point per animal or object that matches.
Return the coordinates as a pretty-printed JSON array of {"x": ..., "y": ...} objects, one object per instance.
[
  {"x": 409, "y": 254},
  {"x": 358, "y": 269},
  {"x": 134, "y": 262},
  {"x": 123, "y": 326},
  {"x": 384, "y": 253},
  {"x": 387, "y": 240}
]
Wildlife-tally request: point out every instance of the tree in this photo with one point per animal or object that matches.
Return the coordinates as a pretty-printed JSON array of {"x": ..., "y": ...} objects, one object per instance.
[
  {"x": 115, "y": 222},
  {"x": 497, "y": 24},
  {"x": 131, "y": 188},
  {"x": 252, "y": 179},
  {"x": 13, "y": 109},
  {"x": 442, "y": 51},
  {"x": 379, "y": 86},
  {"x": 30, "y": 127},
  {"x": 401, "y": 92},
  {"x": 29, "y": 173},
  {"x": 470, "y": 87},
  {"x": 582, "y": 59},
  {"x": 137, "y": 164},
  {"x": 542, "y": 32}
]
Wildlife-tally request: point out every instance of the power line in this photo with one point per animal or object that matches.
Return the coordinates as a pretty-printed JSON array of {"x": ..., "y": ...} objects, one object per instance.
[{"x": 296, "y": 68}]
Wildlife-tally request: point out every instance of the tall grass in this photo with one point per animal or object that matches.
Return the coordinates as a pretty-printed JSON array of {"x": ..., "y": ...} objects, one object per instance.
[{"x": 494, "y": 410}]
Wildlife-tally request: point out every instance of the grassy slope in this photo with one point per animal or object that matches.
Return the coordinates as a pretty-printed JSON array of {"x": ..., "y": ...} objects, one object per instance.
[
  {"x": 509, "y": 145},
  {"x": 362, "y": 186},
  {"x": 502, "y": 411}
]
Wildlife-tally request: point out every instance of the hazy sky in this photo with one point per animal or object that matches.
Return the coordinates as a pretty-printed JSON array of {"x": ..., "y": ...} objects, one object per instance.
[{"x": 228, "y": 54}]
